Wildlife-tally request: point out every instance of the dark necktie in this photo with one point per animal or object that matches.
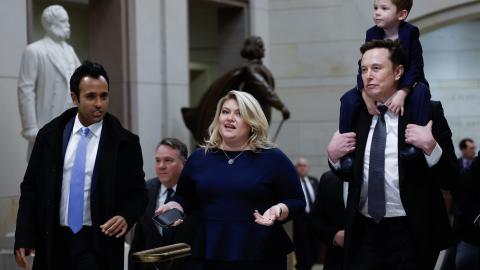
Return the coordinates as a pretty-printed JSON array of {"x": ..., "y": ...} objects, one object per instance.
[
  {"x": 77, "y": 184},
  {"x": 308, "y": 197},
  {"x": 169, "y": 195},
  {"x": 376, "y": 170},
  {"x": 167, "y": 232},
  {"x": 466, "y": 164}
]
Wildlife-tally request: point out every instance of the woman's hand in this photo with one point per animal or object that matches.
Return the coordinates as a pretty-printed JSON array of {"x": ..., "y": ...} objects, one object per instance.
[
  {"x": 276, "y": 212},
  {"x": 168, "y": 206}
]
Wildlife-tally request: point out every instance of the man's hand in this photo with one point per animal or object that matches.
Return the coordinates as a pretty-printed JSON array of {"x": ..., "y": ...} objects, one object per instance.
[
  {"x": 20, "y": 256},
  {"x": 340, "y": 145},
  {"x": 116, "y": 226},
  {"x": 421, "y": 137},
  {"x": 168, "y": 206},
  {"x": 339, "y": 238}
]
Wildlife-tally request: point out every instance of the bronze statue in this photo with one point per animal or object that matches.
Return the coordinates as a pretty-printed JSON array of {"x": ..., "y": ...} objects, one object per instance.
[{"x": 254, "y": 78}]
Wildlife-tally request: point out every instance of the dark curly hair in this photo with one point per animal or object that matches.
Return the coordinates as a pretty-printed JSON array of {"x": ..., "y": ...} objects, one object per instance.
[{"x": 87, "y": 69}]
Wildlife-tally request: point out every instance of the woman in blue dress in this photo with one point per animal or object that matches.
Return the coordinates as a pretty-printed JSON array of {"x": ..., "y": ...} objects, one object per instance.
[{"x": 244, "y": 189}]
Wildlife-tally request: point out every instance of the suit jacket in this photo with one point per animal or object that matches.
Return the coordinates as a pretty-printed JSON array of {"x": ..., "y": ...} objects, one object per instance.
[
  {"x": 43, "y": 82},
  {"x": 419, "y": 185},
  {"x": 329, "y": 217},
  {"x": 467, "y": 199},
  {"x": 118, "y": 188},
  {"x": 307, "y": 248},
  {"x": 409, "y": 37},
  {"x": 146, "y": 235}
]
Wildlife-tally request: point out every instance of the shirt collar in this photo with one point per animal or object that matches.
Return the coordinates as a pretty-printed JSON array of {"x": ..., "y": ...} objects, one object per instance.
[
  {"x": 164, "y": 188},
  {"x": 95, "y": 128}
]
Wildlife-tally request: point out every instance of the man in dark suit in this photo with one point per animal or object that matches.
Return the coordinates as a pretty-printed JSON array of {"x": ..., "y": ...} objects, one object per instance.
[
  {"x": 170, "y": 156},
  {"x": 307, "y": 248},
  {"x": 329, "y": 218},
  {"x": 467, "y": 202},
  {"x": 460, "y": 222},
  {"x": 467, "y": 147},
  {"x": 84, "y": 186},
  {"x": 396, "y": 218}
]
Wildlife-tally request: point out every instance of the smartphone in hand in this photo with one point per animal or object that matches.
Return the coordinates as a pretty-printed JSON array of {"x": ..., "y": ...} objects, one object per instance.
[{"x": 167, "y": 218}]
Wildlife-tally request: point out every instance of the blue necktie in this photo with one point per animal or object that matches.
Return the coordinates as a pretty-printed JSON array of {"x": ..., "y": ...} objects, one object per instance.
[
  {"x": 376, "y": 170},
  {"x": 77, "y": 184}
]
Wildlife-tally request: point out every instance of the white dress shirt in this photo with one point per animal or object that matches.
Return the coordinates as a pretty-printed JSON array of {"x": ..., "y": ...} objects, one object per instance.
[
  {"x": 307, "y": 187},
  {"x": 92, "y": 147},
  {"x": 162, "y": 196},
  {"x": 394, "y": 206}
]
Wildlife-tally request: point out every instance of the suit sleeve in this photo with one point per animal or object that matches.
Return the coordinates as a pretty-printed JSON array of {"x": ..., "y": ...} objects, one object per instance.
[
  {"x": 287, "y": 186},
  {"x": 323, "y": 226},
  {"x": 414, "y": 70},
  {"x": 186, "y": 194},
  {"x": 27, "y": 217},
  {"x": 133, "y": 205},
  {"x": 447, "y": 170}
]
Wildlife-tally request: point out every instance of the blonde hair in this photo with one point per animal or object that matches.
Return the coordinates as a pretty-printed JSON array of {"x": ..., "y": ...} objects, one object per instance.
[{"x": 251, "y": 112}]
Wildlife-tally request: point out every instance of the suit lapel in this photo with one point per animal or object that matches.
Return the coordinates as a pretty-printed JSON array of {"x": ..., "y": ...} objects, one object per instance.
[
  {"x": 365, "y": 120},
  {"x": 153, "y": 195},
  {"x": 103, "y": 177},
  {"x": 402, "y": 125}
]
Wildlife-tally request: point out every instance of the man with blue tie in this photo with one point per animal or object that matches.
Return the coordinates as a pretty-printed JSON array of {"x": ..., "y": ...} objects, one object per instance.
[
  {"x": 395, "y": 215},
  {"x": 84, "y": 185}
]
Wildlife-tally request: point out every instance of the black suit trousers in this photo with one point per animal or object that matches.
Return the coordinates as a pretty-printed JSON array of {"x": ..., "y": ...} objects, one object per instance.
[
  {"x": 386, "y": 245},
  {"x": 77, "y": 251}
]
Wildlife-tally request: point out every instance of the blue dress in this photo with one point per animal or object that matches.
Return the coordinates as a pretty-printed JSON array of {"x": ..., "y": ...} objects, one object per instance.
[{"x": 227, "y": 196}]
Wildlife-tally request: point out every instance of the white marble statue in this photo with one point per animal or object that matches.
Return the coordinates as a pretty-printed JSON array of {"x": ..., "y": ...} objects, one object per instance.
[{"x": 45, "y": 71}]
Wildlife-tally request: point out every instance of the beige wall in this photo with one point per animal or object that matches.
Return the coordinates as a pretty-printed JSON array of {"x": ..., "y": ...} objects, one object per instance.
[
  {"x": 452, "y": 57},
  {"x": 313, "y": 51}
]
